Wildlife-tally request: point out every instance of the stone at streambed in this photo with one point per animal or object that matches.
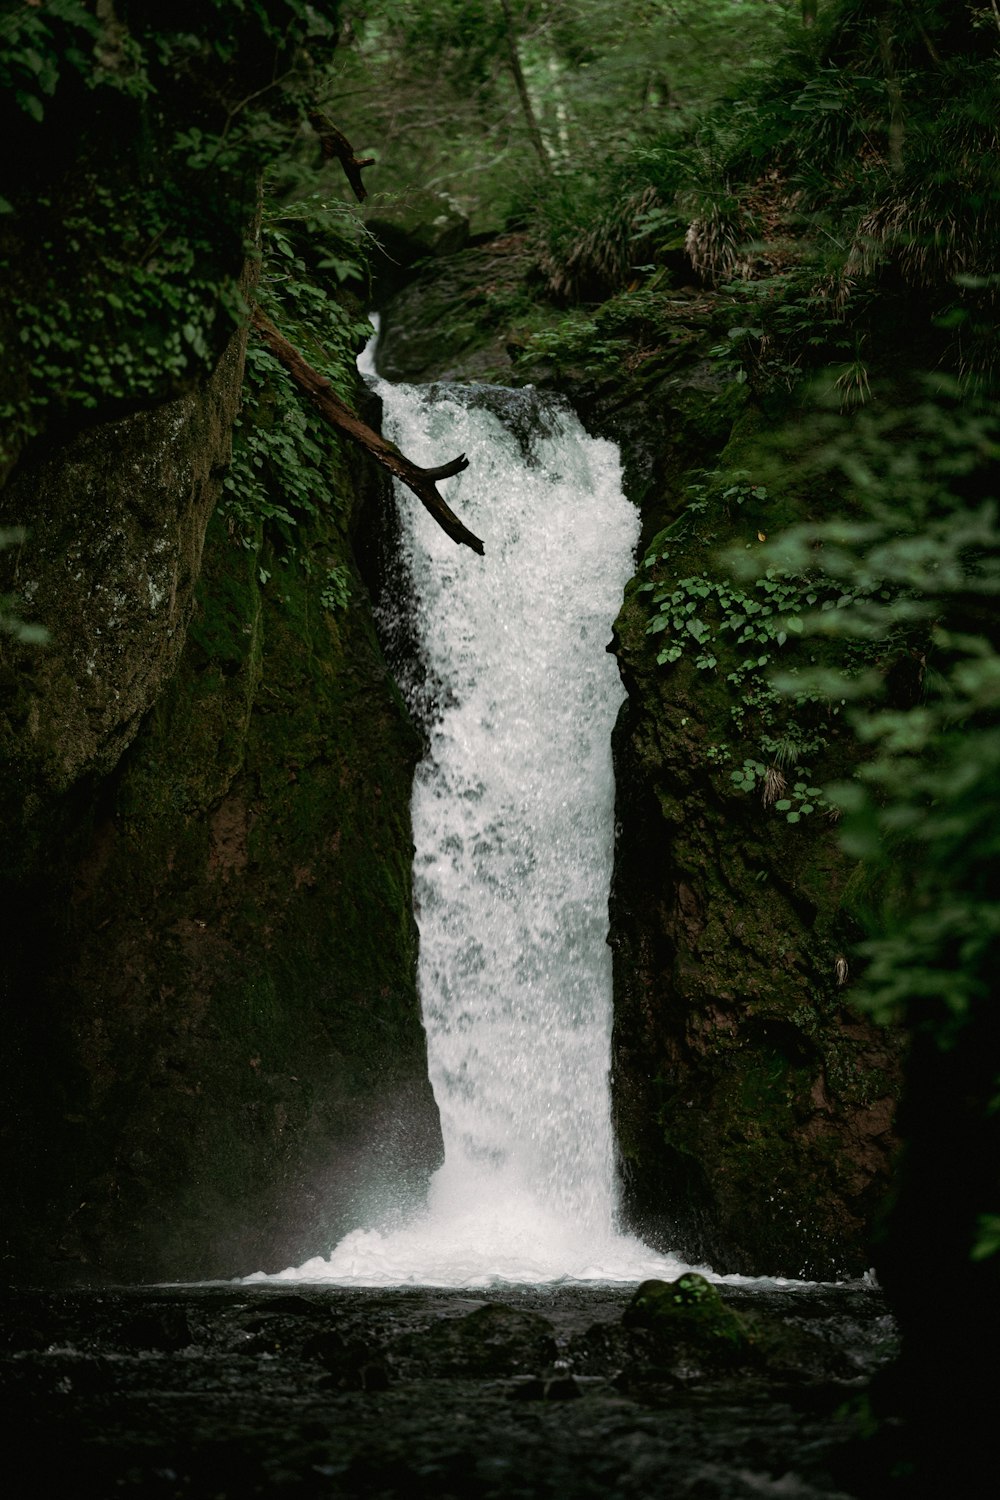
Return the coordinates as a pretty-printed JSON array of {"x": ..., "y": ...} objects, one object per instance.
[
  {"x": 691, "y": 1333},
  {"x": 492, "y": 1340},
  {"x": 537, "y": 1388},
  {"x": 688, "y": 1317}
]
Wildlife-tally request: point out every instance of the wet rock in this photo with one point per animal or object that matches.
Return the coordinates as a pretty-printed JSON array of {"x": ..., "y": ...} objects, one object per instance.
[
  {"x": 162, "y": 1329},
  {"x": 528, "y": 1388},
  {"x": 425, "y": 226},
  {"x": 446, "y": 325},
  {"x": 210, "y": 1420},
  {"x": 353, "y": 1363},
  {"x": 562, "y": 1388},
  {"x": 753, "y": 1108},
  {"x": 493, "y": 1340},
  {"x": 689, "y": 1320},
  {"x": 607, "y": 1349}
]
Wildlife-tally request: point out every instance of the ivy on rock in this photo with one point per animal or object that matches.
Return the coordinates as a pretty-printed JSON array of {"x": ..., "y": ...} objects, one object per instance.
[{"x": 126, "y": 271}]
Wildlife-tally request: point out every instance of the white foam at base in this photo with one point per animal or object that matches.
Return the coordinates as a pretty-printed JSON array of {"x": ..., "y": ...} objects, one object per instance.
[{"x": 482, "y": 1234}]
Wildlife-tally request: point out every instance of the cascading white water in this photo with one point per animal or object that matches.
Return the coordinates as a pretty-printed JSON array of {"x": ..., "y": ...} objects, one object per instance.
[{"x": 513, "y": 824}]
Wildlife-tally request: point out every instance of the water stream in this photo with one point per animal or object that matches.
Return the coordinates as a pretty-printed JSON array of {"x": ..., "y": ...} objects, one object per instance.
[{"x": 513, "y": 811}]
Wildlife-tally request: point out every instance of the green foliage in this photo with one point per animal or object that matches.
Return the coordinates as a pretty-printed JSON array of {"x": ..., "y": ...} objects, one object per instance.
[
  {"x": 988, "y": 1237},
  {"x": 596, "y": 91},
  {"x": 769, "y": 782},
  {"x": 640, "y": 331},
  {"x": 741, "y": 634},
  {"x": 849, "y": 189},
  {"x": 588, "y": 235},
  {"x": 925, "y": 529},
  {"x": 151, "y": 314},
  {"x": 51, "y": 46},
  {"x": 43, "y": 46},
  {"x": 283, "y": 450},
  {"x": 123, "y": 266},
  {"x": 336, "y": 591}
]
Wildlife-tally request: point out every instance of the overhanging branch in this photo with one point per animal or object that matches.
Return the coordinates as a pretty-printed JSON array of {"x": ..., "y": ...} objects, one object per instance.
[
  {"x": 423, "y": 482},
  {"x": 335, "y": 144}
]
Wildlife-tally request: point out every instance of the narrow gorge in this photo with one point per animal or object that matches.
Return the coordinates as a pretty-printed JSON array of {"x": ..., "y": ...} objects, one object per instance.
[{"x": 550, "y": 974}]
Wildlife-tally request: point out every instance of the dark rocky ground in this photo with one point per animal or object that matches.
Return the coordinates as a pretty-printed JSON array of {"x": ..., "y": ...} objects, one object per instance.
[{"x": 226, "y": 1391}]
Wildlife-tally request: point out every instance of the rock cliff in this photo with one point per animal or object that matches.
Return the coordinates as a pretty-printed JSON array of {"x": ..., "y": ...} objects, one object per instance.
[{"x": 213, "y": 1051}]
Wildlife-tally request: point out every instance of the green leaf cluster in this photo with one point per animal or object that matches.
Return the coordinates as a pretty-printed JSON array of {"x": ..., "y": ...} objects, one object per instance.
[
  {"x": 133, "y": 151},
  {"x": 715, "y": 623},
  {"x": 927, "y": 793},
  {"x": 284, "y": 453}
]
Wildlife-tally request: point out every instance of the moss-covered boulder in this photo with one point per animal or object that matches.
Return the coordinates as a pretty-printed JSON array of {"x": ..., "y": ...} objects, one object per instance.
[
  {"x": 452, "y": 320},
  {"x": 420, "y": 225},
  {"x": 688, "y": 1318},
  {"x": 687, "y": 1330}
]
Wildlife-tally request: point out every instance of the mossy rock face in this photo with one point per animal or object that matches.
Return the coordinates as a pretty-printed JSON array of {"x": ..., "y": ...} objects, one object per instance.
[
  {"x": 754, "y": 1108},
  {"x": 115, "y": 522},
  {"x": 422, "y": 225},
  {"x": 452, "y": 321},
  {"x": 215, "y": 1055}
]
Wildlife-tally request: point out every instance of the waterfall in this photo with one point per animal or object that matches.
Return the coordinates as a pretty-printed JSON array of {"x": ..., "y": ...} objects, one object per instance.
[{"x": 513, "y": 809}]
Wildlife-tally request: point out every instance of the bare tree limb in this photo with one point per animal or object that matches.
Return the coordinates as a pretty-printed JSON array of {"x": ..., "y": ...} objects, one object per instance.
[
  {"x": 423, "y": 482},
  {"x": 336, "y": 144}
]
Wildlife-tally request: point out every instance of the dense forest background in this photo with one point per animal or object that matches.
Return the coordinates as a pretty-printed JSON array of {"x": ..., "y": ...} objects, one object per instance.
[{"x": 817, "y": 181}]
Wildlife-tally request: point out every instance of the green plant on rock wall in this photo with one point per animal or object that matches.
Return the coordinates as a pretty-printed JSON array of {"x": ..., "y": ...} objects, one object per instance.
[
  {"x": 738, "y": 633},
  {"x": 636, "y": 331},
  {"x": 282, "y": 447},
  {"x": 123, "y": 266},
  {"x": 336, "y": 591}
]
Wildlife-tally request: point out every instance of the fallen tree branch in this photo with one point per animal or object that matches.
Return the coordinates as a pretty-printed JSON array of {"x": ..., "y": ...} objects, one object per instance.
[
  {"x": 423, "y": 482},
  {"x": 335, "y": 144}
]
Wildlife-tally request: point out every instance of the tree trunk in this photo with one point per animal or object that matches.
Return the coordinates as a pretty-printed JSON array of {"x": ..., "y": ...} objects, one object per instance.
[{"x": 527, "y": 107}]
